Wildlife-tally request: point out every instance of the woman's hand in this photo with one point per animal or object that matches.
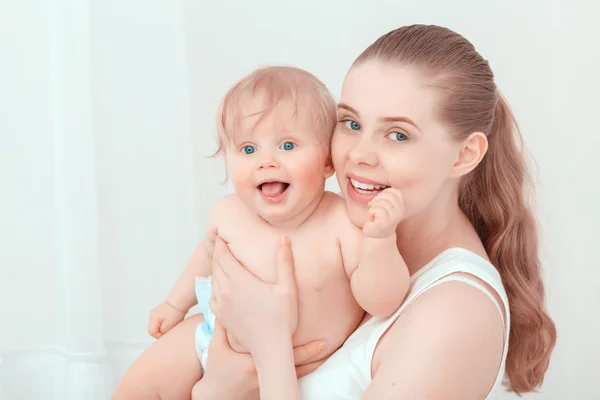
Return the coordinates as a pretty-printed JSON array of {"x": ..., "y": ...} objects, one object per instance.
[
  {"x": 232, "y": 375},
  {"x": 256, "y": 313}
]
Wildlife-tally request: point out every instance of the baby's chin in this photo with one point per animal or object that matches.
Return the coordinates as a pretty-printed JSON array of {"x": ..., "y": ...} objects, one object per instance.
[{"x": 278, "y": 217}]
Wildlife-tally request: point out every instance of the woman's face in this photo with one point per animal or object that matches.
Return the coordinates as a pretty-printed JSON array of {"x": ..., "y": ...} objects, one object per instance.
[{"x": 389, "y": 134}]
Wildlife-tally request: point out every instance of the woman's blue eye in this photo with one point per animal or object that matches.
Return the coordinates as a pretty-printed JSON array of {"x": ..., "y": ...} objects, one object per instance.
[
  {"x": 248, "y": 149},
  {"x": 288, "y": 146},
  {"x": 355, "y": 126},
  {"x": 398, "y": 136}
]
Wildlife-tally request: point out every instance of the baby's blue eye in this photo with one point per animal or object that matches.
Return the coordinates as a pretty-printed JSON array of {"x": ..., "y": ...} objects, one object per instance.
[
  {"x": 398, "y": 136},
  {"x": 355, "y": 126},
  {"x": 287, "y": 146},
  {"x": 248, "y": 149}
]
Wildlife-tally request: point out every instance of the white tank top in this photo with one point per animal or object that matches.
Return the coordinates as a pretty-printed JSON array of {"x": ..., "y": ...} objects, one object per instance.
[{"x": 347, "y": 373}]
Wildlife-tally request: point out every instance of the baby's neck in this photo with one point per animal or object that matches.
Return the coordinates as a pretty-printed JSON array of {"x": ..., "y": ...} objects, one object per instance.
[{"x": 298, "y": 218}]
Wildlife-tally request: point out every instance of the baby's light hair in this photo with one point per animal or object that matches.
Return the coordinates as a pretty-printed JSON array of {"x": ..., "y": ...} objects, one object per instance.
[{"x": 276, "y": 84}]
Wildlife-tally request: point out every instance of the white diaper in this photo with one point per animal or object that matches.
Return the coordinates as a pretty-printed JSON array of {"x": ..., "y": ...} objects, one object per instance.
[{"x": 204, "y": 331}]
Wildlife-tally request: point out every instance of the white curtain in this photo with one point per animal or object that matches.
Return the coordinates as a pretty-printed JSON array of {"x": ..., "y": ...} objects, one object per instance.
[{"x": 99, "y": 196}]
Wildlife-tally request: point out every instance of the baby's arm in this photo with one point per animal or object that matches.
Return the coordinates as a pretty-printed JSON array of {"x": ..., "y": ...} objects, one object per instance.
[
  {"x": 379, "y": 276},
  {"x": 381, "y": 280},
  {"x": 182, "y": 296}
]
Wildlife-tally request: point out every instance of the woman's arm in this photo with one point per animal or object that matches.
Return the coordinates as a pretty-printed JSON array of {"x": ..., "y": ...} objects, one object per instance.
[
  {"x": 231, "y": 375},
  {"x": 261, "y": 316},
  {"x": 446, "y": 345},
  {"x": 275, "y": 369}
]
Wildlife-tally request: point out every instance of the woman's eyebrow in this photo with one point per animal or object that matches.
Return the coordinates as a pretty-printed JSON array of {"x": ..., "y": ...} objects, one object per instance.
[
  {"x": 346, "y": 107},
  {"x": 399, "y": 119}
]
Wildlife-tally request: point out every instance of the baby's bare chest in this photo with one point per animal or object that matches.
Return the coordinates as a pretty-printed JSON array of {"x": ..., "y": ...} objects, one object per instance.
[{"x": 316, "y": 253}]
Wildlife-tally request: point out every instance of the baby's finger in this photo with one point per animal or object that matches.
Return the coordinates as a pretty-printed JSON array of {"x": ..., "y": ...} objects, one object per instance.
[
  {"x": 164, "y": 327},
  {"x": 396, "y": 196},
  {"x": 389, "y": 195},
  {"x": 397, "y": 200},
  {"x": 152, "y": 330},
  {"x": 155, "y": 329},
  {"x": 384, "y": 203},
  {"x": 378, "y": 213}
]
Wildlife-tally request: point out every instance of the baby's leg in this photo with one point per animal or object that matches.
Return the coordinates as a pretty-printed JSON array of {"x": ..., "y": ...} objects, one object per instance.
[{"x": 168, "y": 369}]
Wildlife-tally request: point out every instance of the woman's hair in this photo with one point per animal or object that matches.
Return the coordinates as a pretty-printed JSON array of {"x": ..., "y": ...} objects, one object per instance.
[{"x": 494, "y": 194}]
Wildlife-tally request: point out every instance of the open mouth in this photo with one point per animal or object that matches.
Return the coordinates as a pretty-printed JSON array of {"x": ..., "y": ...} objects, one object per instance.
[
  {"x": 273, "y": 191},
  {"x": 367, "y": 188}
]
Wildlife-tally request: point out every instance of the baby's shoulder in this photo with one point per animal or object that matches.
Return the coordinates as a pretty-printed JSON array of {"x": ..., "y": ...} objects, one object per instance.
[
  {"x": 332, "y": 205},
  {"x": 226, "y": 209},
  {"x": 335, "y": 214},
  {"x": 227, "y": 202}
]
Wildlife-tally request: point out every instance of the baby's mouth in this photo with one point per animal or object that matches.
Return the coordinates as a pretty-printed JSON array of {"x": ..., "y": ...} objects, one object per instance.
[{"x": 273, "y": 188}]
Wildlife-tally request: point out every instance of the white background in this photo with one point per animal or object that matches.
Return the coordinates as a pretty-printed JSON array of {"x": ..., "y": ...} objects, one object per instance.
[{"x": 107, "y": 115}]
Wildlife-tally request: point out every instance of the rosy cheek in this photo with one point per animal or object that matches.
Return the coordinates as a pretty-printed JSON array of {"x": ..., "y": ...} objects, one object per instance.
[
  {"x": 239, "y": 173},
  {"x": 309, "y": 171}
]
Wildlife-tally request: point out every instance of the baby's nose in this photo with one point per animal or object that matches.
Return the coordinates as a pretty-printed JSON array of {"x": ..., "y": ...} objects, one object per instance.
[{"x": 268, "y": 162}]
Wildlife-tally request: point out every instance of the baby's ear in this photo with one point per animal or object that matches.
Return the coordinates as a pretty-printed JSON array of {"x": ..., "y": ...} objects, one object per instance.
[{"x": 328, "y": 168}]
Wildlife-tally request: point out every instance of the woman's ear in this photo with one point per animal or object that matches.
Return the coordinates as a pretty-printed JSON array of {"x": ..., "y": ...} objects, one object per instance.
[{"x": 470, "y": 155}]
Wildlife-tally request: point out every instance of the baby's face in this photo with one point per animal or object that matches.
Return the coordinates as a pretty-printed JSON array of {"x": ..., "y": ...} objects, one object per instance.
[{"x": 278, "y": 162}]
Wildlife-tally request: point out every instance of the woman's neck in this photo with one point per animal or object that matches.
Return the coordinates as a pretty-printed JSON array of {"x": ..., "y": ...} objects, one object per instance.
[{"x": 437, "y": 228}]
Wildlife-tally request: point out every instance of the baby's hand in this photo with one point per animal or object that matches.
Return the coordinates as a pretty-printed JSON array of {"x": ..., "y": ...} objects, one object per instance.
[
  {"x": 163, "y": 318},
  {"x": 385, "y": 213}
]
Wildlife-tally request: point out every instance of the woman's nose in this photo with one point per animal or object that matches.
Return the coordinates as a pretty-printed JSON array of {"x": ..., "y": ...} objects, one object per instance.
[{"x": 363, "y": 153}]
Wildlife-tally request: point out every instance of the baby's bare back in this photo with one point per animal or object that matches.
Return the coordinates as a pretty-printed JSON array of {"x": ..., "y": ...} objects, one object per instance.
[{"x": 327, "y": 308}]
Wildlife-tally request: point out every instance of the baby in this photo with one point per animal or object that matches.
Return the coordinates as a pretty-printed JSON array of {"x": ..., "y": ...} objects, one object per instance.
[{"x": 275, "y": 128}]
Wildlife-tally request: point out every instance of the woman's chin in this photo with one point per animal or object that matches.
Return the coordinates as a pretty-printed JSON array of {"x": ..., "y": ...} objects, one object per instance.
[{"x": 358, "y": 217}]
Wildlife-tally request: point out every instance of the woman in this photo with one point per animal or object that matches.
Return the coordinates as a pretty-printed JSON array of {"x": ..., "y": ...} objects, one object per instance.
[{"x": 420, "y": 112}]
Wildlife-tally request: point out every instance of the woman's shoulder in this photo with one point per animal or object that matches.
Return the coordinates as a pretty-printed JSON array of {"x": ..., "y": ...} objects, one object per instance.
[
  {"x": 458, "y": 272},
  {"x": 458, "y": 260},
  {"x": 455, "y": 315}
]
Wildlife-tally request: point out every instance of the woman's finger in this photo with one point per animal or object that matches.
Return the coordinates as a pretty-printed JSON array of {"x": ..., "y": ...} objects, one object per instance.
[
  {"x": 285, "y": 264},
  {"x": 306, "y": 369},
  {"x": 219, "y": 334},
  {"x": 219, "y": 278},
  {"x": 218, "y": 343},
  {"x": 221, "y": 256},
  {"x": 308, "y": 352},
  {"x": 227, "y": 263},
  {"x": 214, "y": 306},
  {"x": 215, "y": 293}
]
